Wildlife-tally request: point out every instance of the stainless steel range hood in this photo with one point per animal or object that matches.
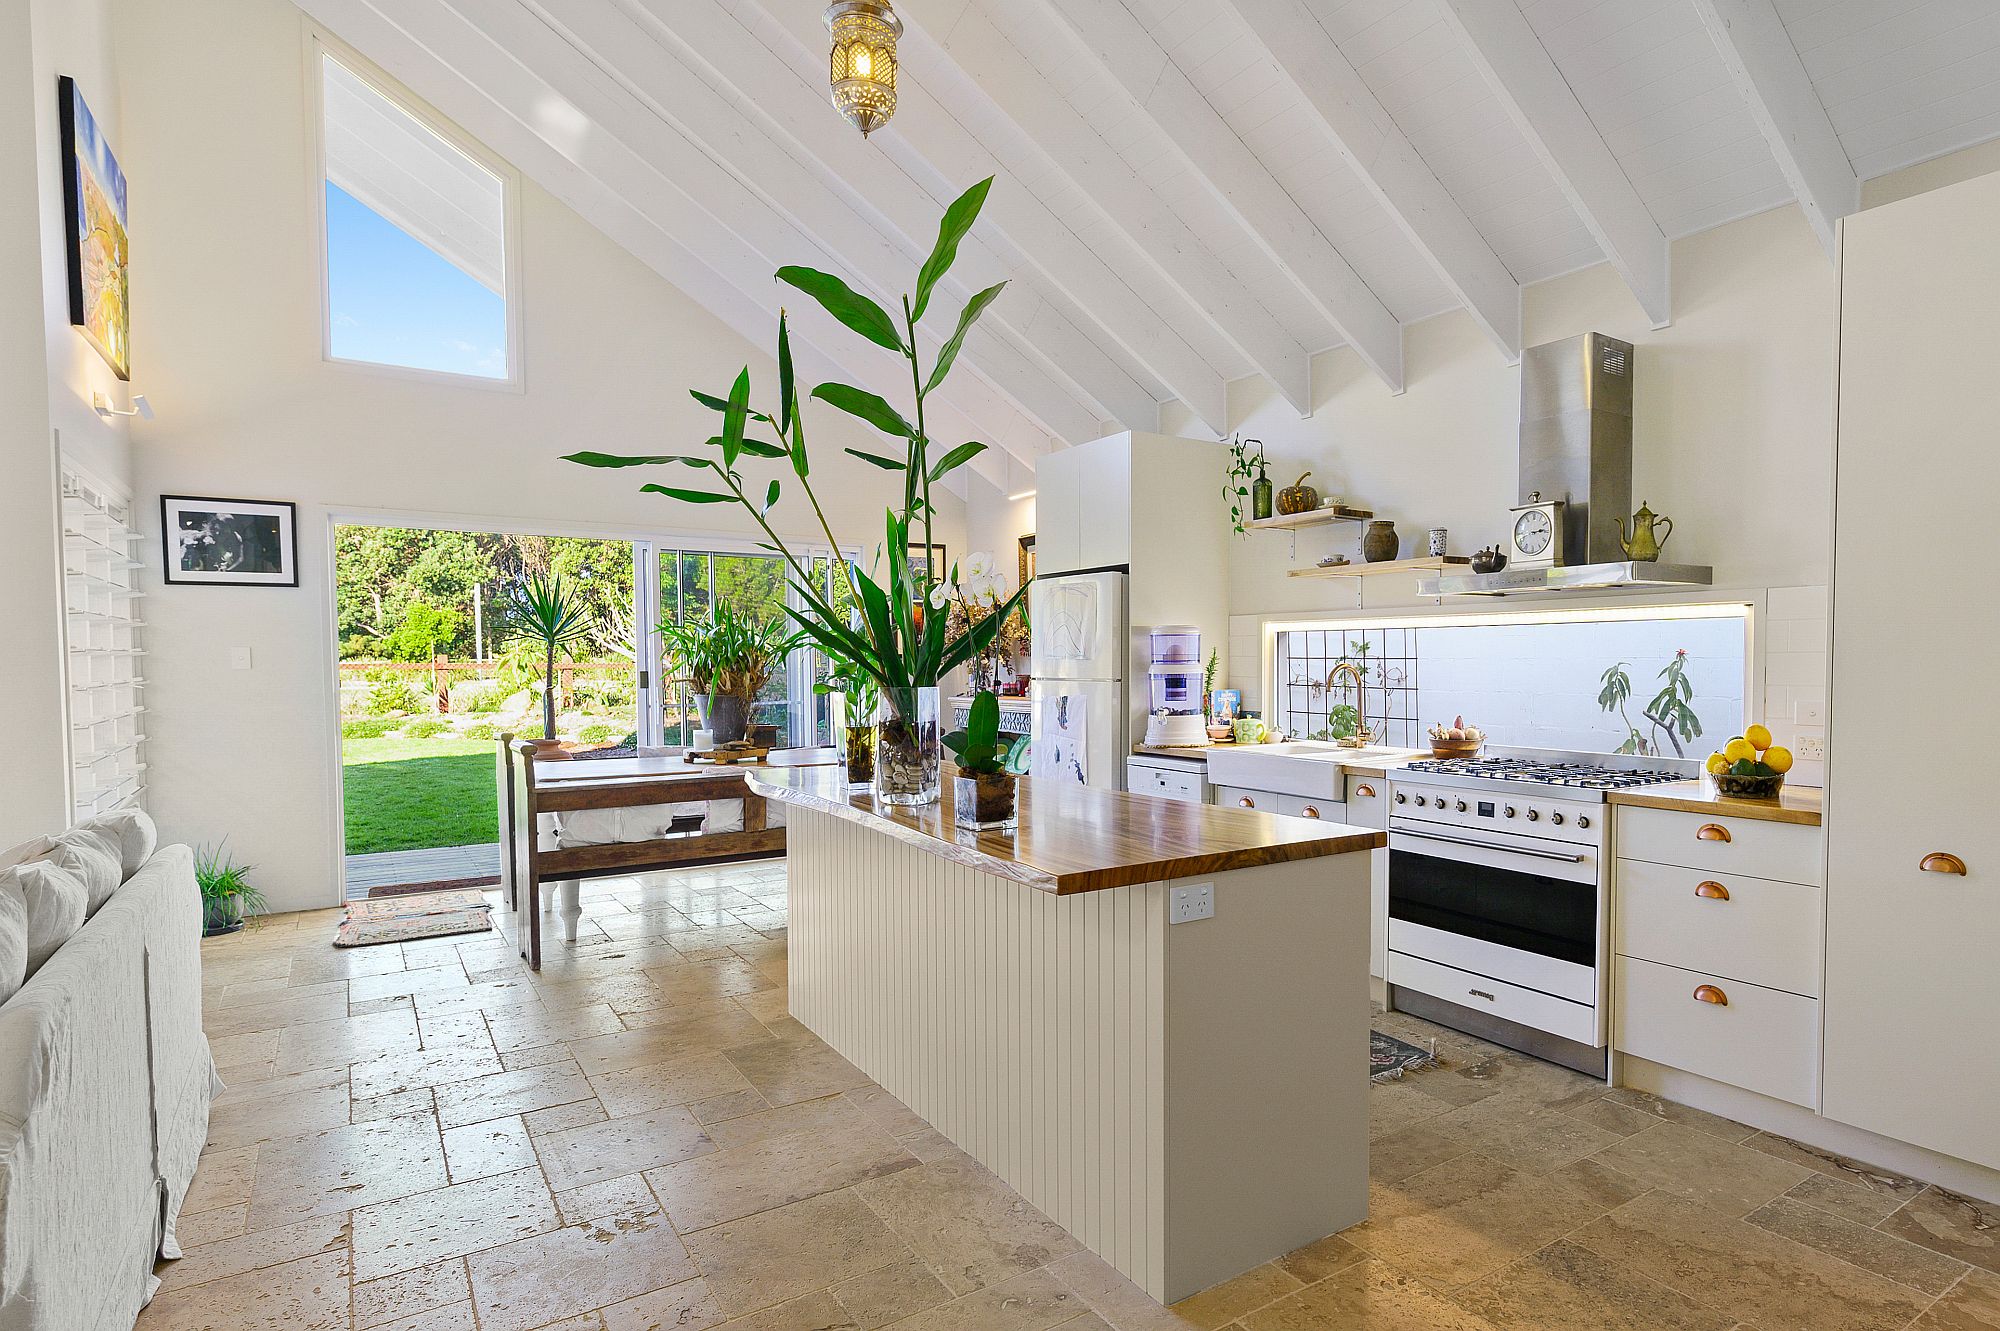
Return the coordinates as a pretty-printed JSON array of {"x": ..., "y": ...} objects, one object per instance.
[{"x": 1576, "y": 444}]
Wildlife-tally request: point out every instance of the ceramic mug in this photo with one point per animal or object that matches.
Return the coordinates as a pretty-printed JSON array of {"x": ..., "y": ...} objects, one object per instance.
[
  {"x": 1249, "y": 730},
  {"x": 1437, "y": 542}
]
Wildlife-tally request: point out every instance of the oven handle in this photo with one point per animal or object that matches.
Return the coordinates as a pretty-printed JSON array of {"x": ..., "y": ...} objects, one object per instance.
[{"x": 1488, "y": 845}]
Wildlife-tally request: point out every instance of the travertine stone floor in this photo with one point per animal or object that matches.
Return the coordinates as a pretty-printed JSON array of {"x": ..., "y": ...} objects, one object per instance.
[{"x": 427, "y": 1138}]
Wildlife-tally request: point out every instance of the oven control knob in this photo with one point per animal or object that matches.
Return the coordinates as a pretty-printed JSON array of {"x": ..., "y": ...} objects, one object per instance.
[
  {"x": 1401, "y": 798},
  {"x": 1583, "y": 820},
  {"x": 1534, "y": 814},
  {"x": 1422, "y": 802},
  {"x": 1460, "y": 806},
  {"x": 1556, "y": 818},
  {"x": 1509, "y": 811}
]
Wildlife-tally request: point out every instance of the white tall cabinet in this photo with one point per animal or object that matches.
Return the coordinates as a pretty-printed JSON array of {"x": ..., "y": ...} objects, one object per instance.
[{"x": 1913, "y": 947}]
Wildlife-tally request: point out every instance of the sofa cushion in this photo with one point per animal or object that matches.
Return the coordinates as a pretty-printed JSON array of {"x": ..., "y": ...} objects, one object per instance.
[
  {"x": 27, "y": 850},
  {"x": 13, "y": 942},
  {"x": 133, "y": 832},
  {"x": 55, "y": 903},
  {"x": 94, "y": 858}
]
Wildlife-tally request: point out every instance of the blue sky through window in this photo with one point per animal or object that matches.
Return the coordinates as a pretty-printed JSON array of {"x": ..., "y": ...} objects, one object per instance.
[{"x": 392, "y": 300}]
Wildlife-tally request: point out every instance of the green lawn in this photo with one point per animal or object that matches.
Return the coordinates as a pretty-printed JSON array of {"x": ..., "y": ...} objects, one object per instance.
[{"x": 412, "y": 794}]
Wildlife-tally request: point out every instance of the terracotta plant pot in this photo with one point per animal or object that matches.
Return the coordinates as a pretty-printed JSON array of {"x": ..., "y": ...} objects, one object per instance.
[{"x": 983, "y": 800}]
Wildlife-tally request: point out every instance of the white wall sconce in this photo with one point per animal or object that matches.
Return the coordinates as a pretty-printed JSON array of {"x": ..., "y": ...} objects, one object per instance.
[{"x": 140, "y": 407}]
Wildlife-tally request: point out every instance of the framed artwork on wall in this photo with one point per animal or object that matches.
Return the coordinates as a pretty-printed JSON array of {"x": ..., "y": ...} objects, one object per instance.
[
  {"x": 929, "y": 563},
  {"x": 229, "y": 542},
  {"x": 94, "y": 215},
  {"x": 1027, "y": 559}
]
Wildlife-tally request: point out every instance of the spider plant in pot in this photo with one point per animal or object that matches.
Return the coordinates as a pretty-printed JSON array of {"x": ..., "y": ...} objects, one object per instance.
[
  {"x": 982, "y": 792},
  {"x": 898, "y": 638},
  {"x": 727, "y": 658},
  {"x": 855, "y": 704},
  {"x": 227, "y": 895},
  {"x": 554, "y": 617}
]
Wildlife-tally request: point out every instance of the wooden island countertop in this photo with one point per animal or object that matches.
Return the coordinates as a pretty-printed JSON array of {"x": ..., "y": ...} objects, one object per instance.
[{"x": 1077, "y": 838}]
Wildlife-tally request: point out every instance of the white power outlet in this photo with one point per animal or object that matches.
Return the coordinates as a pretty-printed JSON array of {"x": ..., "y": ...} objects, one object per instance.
[
  {"x": 1186, "y": 904},
  {"x": 1812, "y": 749}
]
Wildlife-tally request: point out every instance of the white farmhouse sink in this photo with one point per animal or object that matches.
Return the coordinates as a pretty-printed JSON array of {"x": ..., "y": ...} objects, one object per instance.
[{"x": 1307, "y": 768}]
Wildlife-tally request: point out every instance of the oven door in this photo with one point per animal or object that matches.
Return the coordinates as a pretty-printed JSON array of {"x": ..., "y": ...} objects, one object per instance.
[{"x": 1522, "y": 910}]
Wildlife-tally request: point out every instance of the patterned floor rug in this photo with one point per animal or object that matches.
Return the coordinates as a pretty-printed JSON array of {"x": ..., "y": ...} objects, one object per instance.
[
  {"x": 1389, "y": 1058},
  {"x": 403, "y": 918}
]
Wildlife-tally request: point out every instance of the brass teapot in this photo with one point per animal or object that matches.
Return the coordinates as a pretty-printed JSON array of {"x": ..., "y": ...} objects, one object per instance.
[{"x": 1646, "y": 539}]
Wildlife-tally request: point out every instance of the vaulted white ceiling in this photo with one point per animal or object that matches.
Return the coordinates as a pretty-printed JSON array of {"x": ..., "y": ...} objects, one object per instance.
[{"x": 1192, "y": 191}]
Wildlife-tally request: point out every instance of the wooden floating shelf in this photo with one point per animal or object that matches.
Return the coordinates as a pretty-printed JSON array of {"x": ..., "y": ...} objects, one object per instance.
[
  {"x": 1312, "y": 517},
  {"x": 1427, "y": 565}
]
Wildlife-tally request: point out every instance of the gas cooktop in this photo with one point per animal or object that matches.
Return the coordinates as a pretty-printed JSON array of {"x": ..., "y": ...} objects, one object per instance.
[{"x": 1579, "y": 775}]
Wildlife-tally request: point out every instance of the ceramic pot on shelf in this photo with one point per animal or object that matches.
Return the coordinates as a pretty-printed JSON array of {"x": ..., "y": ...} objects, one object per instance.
[{"x": 1379, "y": 541}]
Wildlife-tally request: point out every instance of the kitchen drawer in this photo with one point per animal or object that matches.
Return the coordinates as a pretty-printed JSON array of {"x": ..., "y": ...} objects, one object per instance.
[
  {"x": 1719, "y": 844},
  {"x": 1172, "y": 781},
  {"x": 1752, "y": 929},
  {"x": 1367, "y": 801},
  {"x": 1270, "y": 801},
  {"x": 1572, "y": 1021},
  {"x": 1763, "y": 1040}
]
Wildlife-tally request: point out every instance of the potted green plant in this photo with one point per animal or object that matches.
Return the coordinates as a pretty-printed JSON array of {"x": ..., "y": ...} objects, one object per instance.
[
  {"x": 554, "y": 618},
  {"x": 898, "y": 636},
  {"x": 982, "y": 792},
  {"x": 855, "y": 704},
  {"x": 227, "y": 895},
  {"x": 727, "y": 658}
]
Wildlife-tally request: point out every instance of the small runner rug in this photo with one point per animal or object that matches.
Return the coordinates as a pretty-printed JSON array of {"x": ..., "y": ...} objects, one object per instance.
[
  {"x": 1389, "y": 1058},
  {"x": 404, "y": 918}
]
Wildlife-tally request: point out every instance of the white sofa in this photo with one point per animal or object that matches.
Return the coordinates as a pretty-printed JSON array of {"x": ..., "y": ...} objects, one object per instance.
[{"x": 105, "y": 1084}]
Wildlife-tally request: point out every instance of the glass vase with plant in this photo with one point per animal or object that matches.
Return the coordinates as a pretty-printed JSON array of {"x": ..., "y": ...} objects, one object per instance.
[
  {"x": 857, "y": 703},
  {"x": 227, "y": 894},
  {"x": 552, "y": 617},
  {"x": 727, "y": 660},
  {"x": 982, "y": 792},
  {"x": 897, "y": 637}
]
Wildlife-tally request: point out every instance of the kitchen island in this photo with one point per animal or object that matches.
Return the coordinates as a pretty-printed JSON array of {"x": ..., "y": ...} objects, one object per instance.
[{"x": 1188, "y": 1099}]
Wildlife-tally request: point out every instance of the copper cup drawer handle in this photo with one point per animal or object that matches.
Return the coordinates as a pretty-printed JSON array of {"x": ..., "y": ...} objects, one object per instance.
[
  {"x": 1708, "y": 993},
  {"x": 1310, "y": 811},
  {"x": 1711, "y": 889},
  {"x": 1364, "y": 791},
  {"x": 1246, "y": 802},
  {"x": 1712, "y": 832},
  {"x": 1939, "y": 861}
]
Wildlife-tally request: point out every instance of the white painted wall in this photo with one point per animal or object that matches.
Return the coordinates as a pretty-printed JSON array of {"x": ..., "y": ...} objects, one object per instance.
[{"x": 227, "y": 325}]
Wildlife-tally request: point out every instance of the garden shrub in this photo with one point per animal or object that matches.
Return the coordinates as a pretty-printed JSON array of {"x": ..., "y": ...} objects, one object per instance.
[
  {"x": 366, "y": 727},
  {"x": 392, "y": 695},
  {"x": 478, "y": 696},
  {"x": 598, "y": 733},
  {"x": 481, "y": 730},
  {"x": 424, "y": 727}
]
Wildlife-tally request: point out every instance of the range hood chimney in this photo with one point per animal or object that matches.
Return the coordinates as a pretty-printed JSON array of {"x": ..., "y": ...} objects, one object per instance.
[{"x": 1576, "y": 445}]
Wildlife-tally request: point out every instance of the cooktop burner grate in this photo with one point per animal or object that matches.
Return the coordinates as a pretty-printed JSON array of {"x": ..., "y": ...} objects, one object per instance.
[{"x": 1583, "y": 776}]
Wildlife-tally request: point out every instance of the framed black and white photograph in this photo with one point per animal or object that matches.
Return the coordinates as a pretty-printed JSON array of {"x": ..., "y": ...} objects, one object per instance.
[{"x": 229, "y": 542}]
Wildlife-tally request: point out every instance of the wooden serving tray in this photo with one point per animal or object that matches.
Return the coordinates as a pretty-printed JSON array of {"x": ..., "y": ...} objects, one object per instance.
[{"x": 729, "y": 754}]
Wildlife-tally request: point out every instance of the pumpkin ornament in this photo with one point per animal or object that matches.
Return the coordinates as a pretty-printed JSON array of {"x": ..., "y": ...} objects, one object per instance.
[{"x": 1298, "y": 497}]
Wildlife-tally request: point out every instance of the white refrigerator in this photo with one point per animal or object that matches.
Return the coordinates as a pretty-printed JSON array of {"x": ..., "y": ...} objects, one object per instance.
[{"x": 1079, "y": 643}]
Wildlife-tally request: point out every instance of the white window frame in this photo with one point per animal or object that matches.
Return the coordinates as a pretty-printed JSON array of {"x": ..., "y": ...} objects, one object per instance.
[{"x": 319, "y": 45}]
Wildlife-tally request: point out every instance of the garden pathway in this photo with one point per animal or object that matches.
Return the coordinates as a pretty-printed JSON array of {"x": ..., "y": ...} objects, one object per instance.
[{"x": 436, "y": 865}]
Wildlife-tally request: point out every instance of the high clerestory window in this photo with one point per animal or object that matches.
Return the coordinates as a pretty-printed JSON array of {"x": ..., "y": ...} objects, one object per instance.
[{"x": 416, "y": 234}]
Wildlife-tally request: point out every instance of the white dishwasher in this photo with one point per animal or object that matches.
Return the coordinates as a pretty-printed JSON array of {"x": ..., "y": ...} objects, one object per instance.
[{"x": 1183, "y": 779}]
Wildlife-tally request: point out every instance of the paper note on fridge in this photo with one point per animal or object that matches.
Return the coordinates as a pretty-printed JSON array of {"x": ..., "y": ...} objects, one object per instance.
[{"x": 1060, "y": 738}]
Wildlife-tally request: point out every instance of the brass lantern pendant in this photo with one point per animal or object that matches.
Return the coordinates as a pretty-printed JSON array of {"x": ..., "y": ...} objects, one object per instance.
[{"x": 864, "y": 61}]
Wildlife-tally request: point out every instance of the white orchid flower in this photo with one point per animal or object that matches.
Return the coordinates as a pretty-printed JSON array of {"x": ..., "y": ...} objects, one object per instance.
[
  {"x": 978, "y": 566},
  {"x": 940, "y": 597}
]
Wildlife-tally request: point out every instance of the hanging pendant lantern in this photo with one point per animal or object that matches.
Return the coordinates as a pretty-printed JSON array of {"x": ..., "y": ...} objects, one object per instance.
[{"x": 864, "y": 61}]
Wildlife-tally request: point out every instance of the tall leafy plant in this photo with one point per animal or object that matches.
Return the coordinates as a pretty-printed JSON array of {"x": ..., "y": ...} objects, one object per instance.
[
  {"x": 890, "y": 638},
  {"x": 555, "y": 617},
  {"x": 727, "y": 653}
]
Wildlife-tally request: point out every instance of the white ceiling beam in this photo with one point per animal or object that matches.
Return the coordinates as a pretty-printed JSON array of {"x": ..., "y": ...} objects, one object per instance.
[
  {"x": 1237, "y": 178},
  {"x": 778, "y": 103},
  {"x": 944, "y": 30},
  {"x": 534, "y": 127},
  {"x": 662, "y": 96},
  {"x": 1377, "y": 151},
  {"x": 1773, "y": 80},
  {"x": 931, "y": 144},
  {"x": 1538, "y": 99}
]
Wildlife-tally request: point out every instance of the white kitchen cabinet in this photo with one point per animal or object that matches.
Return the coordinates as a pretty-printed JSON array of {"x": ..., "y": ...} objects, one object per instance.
[
  {"x": 1105, "y": 515},
  {"x": 1271, "y": 801},
  {"x": 1059, "y": 512},
  {"x": 1368, "y": 806},
  {"x": 1181, "y": 779},
  {"x": 1912, "y": 946}
]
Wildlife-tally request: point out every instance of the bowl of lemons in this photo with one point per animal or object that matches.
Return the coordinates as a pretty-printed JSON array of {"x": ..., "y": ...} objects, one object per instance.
[{"x": 1750, "y": 766}]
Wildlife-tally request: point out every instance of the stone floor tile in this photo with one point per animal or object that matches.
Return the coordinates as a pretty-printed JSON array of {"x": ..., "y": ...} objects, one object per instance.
[
  {"x": 1686, "y": 1115},
  {"x": 1318, "y": 1260},
  {"x": 249, "y": 1047},
  {"x": 1691, "y": 1164},
  {"x": 628, "y": 1195},
  {"x": 451, "y": 1317},
  {"x": 889, "y": 1295},
  {"x": 204, "y": 1227},
  {"x": 417, "y": 1069},
  {"x": 773, "y": 1171},
  {"x": 402, "y": 1104},
  {"x": 400, "y": 1297},
  {"x": 735, "y": 1104},
  {"x": 688, "y": 1306},
  {"x": 1218, "y": 1305},
  {"x": 1111, "y": 1296},
  {"x": 1870, "y": 1249},
  {"x": 450, "y": 1222},
  {"x": 1030, "y": 1301},
  {"x": 619, "y": 1146},
  {"x": 284, "y": 1106},
  {"x": 1565, "y": 1287},
  {"x": 773, "y": 1256},
  {"x": 1522, "y": 1134},
  {"x": 221, "y": 1178},
  {"x": 973, "y": 1229},
  {"x": 828, "y": 1113},
  {"x": 1761, "y": 1278},
  {"x": 344, "y": 1168},
  {"x": 1368, "y": 1296},
  {"x": 508, "y": 1093},
  {"x": 519, "y": 1028},
  {"x": 535, "y": 1281},
  {"x": 481, "y": 1150},
  {"x": 785, "y": 1071},
  {"x": 310, "y": 1294},
  {"x": 255, "y": 1250},
  {"x": 541, "y": 1055},
  {"x": 1397, "y": 1155},
  {"x": 1861, "y": 1205},
  {"x": 345, "y": 1041},
  {"x": 1973, "y": 1304},
  {"x": 657, "y": 1085},
  {"x": 556, "y": 1118},
  {"x": 1953, "y": 1225}
]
